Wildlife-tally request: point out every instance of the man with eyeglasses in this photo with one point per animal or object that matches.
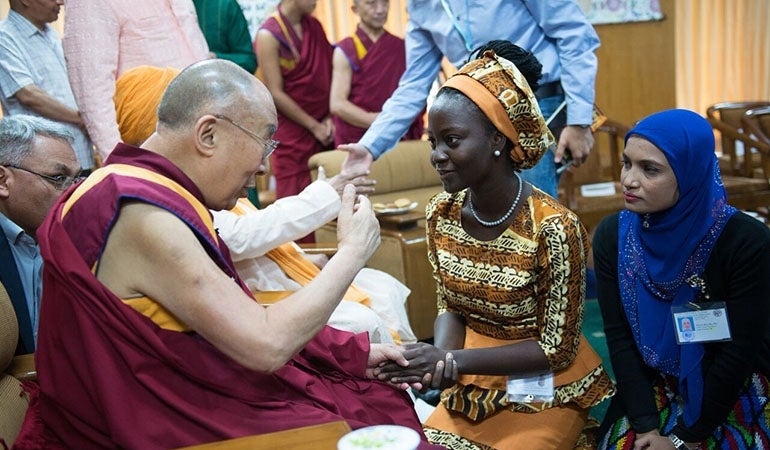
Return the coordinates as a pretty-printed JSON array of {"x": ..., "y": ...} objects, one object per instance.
[
  {"x": 179, "y": 352},
  {"x": 37, "y": 164}
]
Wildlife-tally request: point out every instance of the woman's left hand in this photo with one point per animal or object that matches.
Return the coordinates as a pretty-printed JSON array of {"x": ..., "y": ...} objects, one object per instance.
[
  {"x": 380, "y": 354},
  {"x": 652, "y": 440},
  {"x": 422, "y": 366}
]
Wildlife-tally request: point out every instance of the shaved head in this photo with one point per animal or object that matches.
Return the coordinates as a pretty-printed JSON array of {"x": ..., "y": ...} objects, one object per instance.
[{"x": 210, "y": 86}]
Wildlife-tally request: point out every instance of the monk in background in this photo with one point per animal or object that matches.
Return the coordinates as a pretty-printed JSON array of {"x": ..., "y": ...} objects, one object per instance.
[
  {"x": 367, "y": 67},
  {"x": 295, "y": 60}
]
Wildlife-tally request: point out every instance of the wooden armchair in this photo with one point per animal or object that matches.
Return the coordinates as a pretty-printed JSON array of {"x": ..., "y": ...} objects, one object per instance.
[
  {"x": 745, "y": 160},
  {"x": 593, "y": 190},
  {"x": 726, "y": 118},
  {"x": 756, "y": 122}
]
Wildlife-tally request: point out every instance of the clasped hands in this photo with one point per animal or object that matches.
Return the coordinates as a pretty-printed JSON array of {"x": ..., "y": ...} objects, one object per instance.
[{"x": 420, "y": 366}]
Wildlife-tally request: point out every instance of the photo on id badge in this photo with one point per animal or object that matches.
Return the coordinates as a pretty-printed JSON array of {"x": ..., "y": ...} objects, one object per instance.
[{"x": 686, "y": 327}]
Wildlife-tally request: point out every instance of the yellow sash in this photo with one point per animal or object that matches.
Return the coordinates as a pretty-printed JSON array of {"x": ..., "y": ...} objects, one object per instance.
[{"x": 149, "y": 308}]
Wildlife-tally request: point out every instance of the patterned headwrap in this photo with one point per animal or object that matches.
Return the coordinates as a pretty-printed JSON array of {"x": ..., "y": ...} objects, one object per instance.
[
  {"x": 497, "y": 87},
  {"x": 137, "y": 95},
  {"x": 655, "y": 262}
]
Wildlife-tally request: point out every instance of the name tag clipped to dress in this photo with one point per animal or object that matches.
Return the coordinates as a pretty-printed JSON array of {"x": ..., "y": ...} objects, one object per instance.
[
  {"x": 531, "y": 388},
  {"x": 701, "y": 322}
]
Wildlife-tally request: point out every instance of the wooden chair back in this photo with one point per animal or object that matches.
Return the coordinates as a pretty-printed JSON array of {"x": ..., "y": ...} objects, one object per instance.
[
  {"x": 602, "y": 166},
  {"x": 727, "y": 119},
  {"x": 745, "y": 160}
]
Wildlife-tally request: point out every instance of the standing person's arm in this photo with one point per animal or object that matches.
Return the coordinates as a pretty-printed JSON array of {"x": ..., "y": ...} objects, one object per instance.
[
  {"x": 339, "y": 103},
  {"x": 576, "y": 43},
  {"x": 17, "y": 81},
  {"x": 43, "y": 104},
  {"x": 423, "y": 62},
  {"x": 634, "y": 378},
  {"x": 267, "y": 53},
  {"x": 91, "y": 47}
]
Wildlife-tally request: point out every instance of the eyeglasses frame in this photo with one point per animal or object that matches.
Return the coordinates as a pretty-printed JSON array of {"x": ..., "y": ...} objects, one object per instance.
[
  {"x": 269, "y": 144},
  {"x": 59, "y": 182}
]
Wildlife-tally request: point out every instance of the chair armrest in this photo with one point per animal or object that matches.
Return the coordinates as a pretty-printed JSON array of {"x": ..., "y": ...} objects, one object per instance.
[{"x": 22, "y": 367}]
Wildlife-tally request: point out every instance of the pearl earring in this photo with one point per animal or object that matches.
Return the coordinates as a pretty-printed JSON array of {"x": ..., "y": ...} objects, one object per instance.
[{"x": 497, "y": 153}]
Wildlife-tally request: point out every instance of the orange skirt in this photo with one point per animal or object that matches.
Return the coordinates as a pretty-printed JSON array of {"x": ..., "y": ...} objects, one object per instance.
[{"x": 555, "y": 428}]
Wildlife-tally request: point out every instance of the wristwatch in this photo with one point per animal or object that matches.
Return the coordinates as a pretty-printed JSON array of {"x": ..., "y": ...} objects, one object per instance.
[{"x": 678, "y": 443}]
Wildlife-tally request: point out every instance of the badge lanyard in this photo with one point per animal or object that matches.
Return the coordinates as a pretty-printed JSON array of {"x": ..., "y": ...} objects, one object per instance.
[{"x": 466, "y": 33}]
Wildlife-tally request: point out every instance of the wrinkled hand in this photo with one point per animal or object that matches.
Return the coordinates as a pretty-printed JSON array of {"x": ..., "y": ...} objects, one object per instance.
[
  {"x": 429, "y": 365},
  {"x": 383, "y": 353},
  {"x": 358, "y": 230},
  {"x": 578, "y": 140},
  {"x": 358, "y": 159}
]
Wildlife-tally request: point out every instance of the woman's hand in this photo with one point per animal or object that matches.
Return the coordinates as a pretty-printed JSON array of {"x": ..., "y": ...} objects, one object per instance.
[
  {"x": 380, "y": 354},
  {"x": 426, "y": 364}
]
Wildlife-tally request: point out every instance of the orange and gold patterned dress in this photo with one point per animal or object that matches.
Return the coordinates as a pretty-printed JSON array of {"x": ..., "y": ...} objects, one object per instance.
[{"x": 526, "y": 284}]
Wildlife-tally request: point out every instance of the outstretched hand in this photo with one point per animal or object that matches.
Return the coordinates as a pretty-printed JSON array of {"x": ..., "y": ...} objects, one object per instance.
[
  {"x": 358, "y": 159},
  {"x": 359, "y": 179}
]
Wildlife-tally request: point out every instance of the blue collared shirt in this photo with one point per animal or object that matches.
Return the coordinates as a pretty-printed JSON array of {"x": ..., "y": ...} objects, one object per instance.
[
  {"x": 31, "y": 56},
  {"x": 556, "y": 31},
  {"x": 29, "y": 262}
]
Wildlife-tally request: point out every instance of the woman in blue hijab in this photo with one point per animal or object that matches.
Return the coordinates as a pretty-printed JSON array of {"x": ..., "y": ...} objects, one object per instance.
[{"x": 684, "y": 289}]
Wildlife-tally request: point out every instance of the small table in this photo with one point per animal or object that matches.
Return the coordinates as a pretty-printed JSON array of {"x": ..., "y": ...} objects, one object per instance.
[
  {"x": 320, "y": 437},
  {"x": 400, "y": 221}
]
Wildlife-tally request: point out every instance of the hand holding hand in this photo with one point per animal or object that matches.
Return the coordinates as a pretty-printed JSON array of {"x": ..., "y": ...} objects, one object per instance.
[
  {"x": 427, "y": 364},
  {"x": 382, "y": 353},
  {"x": 578, "y": 140}
]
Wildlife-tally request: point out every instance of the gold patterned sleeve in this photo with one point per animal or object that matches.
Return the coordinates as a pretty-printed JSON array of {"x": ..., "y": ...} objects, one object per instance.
[
  {"x": 563, "y": 245},
  {"x": 431, "y": 217}
]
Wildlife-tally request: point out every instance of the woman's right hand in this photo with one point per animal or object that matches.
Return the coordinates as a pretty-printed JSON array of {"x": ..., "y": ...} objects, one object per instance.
[{"x": 433, "y": 367}]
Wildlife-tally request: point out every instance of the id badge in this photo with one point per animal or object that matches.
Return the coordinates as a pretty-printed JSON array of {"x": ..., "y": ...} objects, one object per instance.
[
  {"x": 531, "y": 389},
  {"x": 702, "y": 322}
]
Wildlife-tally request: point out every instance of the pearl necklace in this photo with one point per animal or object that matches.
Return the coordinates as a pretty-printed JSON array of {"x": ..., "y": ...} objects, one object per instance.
[{"x": 505, "y": 217}]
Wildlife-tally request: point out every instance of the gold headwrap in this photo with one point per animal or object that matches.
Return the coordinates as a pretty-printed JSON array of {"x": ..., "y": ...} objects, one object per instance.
[
  {"x": 137, "y": 95},
  {"x": 502, "y": 93}
]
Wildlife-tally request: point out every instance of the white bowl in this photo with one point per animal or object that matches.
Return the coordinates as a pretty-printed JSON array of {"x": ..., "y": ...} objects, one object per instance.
[{"x": 380, "y": 437}]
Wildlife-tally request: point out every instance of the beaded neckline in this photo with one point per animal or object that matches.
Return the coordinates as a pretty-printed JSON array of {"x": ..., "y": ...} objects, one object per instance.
[{"x": 505, "y": 217}]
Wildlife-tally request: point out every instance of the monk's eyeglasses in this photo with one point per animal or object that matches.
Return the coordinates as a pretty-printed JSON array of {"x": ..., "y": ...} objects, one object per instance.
[
  {"x": 270, "y": 144},
  {"x": 59, "y": 182}
]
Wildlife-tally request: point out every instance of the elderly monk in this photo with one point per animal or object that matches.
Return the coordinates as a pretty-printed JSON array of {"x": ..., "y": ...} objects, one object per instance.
[
  {"x": 179, "y": 353},
  {"x": 260, "y": 240}
]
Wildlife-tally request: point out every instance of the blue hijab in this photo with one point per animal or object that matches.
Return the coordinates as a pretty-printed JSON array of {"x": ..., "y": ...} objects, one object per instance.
[{"x": 654, "y": 262}]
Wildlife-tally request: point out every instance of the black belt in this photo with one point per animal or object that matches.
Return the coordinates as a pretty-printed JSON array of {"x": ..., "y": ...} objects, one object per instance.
[{"x": 551, "y": 89}]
